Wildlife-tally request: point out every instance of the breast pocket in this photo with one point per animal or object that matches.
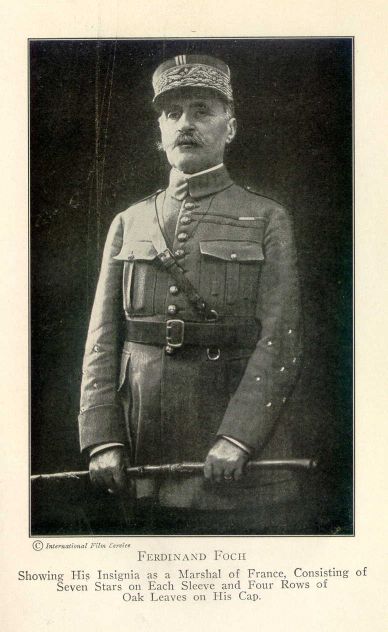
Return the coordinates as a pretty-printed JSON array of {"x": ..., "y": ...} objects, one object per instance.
[
  {"x": 230, "y": 270},
  {"x": 139, "y": 277}
]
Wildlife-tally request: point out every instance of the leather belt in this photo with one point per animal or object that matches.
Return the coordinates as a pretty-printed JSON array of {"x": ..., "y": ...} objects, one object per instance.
[{"x": 175, "y": 332}]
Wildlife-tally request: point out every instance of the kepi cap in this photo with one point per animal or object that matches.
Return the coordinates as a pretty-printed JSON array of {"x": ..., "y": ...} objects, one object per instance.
[{"x": 192, "y": 71}]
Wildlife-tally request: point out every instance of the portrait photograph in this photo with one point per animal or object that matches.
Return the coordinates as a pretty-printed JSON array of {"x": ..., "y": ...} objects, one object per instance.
[{"x": 191, "y": 286}]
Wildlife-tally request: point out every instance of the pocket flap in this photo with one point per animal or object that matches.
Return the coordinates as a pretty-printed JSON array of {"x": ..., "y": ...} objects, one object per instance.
[
  {"x": 232, "y": 250},
  {"x": 141, "y": 250}
]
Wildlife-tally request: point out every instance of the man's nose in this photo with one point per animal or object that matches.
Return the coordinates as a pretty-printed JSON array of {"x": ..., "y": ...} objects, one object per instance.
[{"x": 185, "y": 122}]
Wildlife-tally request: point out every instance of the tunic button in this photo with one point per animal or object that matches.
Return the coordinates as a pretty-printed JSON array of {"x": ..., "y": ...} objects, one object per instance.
[
  {"x": 269, "y": 343},
  {"x": 191, "y": 205},
  {"x": 293, "y": 360},
  {"x": 284, "y": 400},
  {"x": 185, "y": 219},
  {"x": 131, "y": 256},
  {"x": 96, "y": 348},
  {"x": 258, "y": 379},
  {"x": 282, "y": 369},
  {"x": 182, "y": 236},
  {"x": 82, "y": 409},
  {"x": 95, "y": 385},
  {"x": 174, "y": 290},
  {"x": 290, "y": 331},
  {"x": 179, "y": 253},
  {"x": 269, "y": 404},
  {"x": 233, "y": 255},
  {"x": 172, "y": 309}
]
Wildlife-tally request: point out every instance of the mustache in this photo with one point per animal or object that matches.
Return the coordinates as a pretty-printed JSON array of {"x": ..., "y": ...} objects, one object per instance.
[{"x": 188, "y": 138}]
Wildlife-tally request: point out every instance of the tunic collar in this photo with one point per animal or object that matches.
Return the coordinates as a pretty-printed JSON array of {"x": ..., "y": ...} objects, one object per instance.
[{"x": 199, "y": 184}]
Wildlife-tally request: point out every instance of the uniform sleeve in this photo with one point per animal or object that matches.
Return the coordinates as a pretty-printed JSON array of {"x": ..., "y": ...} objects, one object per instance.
[
  {"x": 273, "y": 368},
  {"x": 100, "y": 418}
]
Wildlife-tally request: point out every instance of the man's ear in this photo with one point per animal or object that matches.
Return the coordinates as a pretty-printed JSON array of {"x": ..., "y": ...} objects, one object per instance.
[
  {"x": 159, "y": 143},
  {"x": 232, "y": 129}
]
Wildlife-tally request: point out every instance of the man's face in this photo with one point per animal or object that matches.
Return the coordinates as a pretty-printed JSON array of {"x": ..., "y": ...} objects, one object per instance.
[{"x": 195, "y": 129}]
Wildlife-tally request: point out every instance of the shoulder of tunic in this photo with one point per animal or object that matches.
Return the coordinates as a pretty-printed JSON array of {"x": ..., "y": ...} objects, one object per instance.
[
  {"x": 132, "y": 210},
  {"x": 264, "y": 198},
  {"x": 246, "y": 202}
]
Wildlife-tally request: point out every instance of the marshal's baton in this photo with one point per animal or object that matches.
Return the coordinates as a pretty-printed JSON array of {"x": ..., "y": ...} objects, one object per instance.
[{"x": 141, "y": 471}]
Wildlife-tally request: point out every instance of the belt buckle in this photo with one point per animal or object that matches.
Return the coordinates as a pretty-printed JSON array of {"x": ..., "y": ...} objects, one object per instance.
[
  {"x": 175, "y": 330},
  {"x": 166, "y": 258}
]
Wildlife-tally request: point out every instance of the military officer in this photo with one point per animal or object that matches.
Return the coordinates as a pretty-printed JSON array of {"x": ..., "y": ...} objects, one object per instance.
[{"x": 201, "y": 277}]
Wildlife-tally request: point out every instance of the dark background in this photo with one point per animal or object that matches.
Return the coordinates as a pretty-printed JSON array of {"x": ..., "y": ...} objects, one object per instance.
[{"x": 93, "y": 137}]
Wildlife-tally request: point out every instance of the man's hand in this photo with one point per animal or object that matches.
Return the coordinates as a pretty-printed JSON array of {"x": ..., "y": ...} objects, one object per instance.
[
  {"x": 107, "y": 470},
  {"x": 225, "y": 462}
]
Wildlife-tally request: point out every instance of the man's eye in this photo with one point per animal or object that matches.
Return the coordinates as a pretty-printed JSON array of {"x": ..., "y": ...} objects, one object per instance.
[{"x": 173, "y": 114}]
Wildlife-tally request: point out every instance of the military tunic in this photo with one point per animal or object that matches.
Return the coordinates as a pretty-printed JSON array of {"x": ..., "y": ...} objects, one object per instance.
[{"x": 237, "y": 249}]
